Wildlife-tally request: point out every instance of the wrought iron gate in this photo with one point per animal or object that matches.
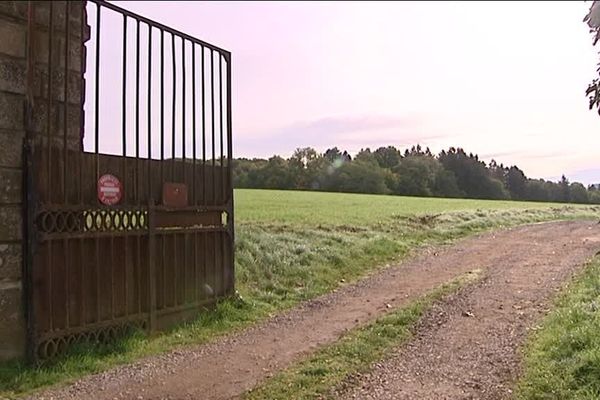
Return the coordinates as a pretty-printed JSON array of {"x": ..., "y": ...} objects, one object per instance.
[{"x": 155, "y": 244}]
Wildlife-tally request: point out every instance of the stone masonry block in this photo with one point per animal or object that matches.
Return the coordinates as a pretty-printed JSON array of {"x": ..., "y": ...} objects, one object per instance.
[
  {"x": 10, "y": 186},
  {"x": 40, "y": 86},
  {"x": 41, "y": 54},
  {"x": 10, "y": 299},
  {"x": 13, "y": 75},
  {"x": 42, "y": 14},
  {"x": 57, "y": 119},
  {"x": 11, "y": 222},
  {"x": 12, "y": 340},
  {"x": 12, "y": 323},
  {"x": 14, "y": 9},
  {"x": 10, "y": 262},
  {"x": 11, "y": 148},
  {"x": 14, "y": 39},
  {"x": 11, "y": 111}
]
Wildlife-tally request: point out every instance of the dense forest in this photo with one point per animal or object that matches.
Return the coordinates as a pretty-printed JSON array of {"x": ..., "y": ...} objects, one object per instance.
[{"x": 416, "y": 172}]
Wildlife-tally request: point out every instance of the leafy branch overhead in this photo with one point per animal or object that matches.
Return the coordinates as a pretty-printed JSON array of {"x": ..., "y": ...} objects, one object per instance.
[{"x": 593, "y": 21}]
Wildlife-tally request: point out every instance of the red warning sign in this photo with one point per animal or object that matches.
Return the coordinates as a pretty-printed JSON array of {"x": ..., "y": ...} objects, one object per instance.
[{"x": 110, "y": 190}]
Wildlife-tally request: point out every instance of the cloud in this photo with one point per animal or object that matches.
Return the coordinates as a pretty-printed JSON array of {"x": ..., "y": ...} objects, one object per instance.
[
  {"x": 585, "y": 176},
  {"x": 344, "y": 132},
  {"x": 522, "y": 154},
  {"x": 343, "y": 125}
]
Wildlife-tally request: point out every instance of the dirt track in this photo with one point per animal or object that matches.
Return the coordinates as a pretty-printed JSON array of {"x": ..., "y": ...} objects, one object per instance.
[
  {"x": 453, "y": 356},
  {"x": 468, "y": 346}
]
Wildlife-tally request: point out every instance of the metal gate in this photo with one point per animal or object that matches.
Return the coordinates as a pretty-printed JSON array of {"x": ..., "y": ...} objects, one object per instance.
[{"x": 130, "y": 219}]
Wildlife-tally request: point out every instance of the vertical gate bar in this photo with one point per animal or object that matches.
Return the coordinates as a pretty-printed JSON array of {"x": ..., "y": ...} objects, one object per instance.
[
  {"x": 149, "y": 188},
  {"x": 81, "y": 228},
  {"x": 82, "y": 54},
  {"x": 97, "y": 254},
  {"x": 66, "y": 101},
  {"x": 126, "y": 263},
  {"x": 67, "y": 285},
  {"x": 218, "y": 273},
  {"x": 230, "y": 207},
  {"x": 196, "y": 280},
  {"x": 163, "y": 240},
  {"x": 212, "y": 122},
  {"x": 137, "y": 114},
  {"x": 221, "y": 160},
  {"x": 97, "y": 93},
  {"x": 219, "y": 245},
  {"x": 185, "y": 269},
  {"x": 81, "y": 291},
  {"x": 124, "y": 93},
  {"x": 183, "y": 163},
  {"x": 30, "y": 203},
  {"x": 174, "y": 104},
  {"x": 138, "y": 278},
  {"x": 49, "y": 102},
  {"x": 162, "y": 157},
  {"x": 150, "y": 215},
  {"x": 49, "y": 160},
  {"x": 214, "y": 263},
  {"x": 124, "y": 160},
  {"x": 175, "y": 274},
  {"x": 162, "y": 105},
  {"x": 138, "y": 270},
  {"x": 126, "y": 266},
  {"x": 224, "y": 273},
  {"x": 112, "y": 270},
  {"x": 203, "y": 132},
  {"x": 82, "y": 64},
  {"x": 151, "y": 265},
  {"x": 204, "y": 259},
  {"x": 96, "y": 149},
  {"x": 32, "y": 325},
  {"x": 194, "y": 202}
]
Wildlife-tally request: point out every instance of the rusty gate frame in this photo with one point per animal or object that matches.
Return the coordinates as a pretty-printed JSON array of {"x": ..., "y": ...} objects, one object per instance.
[{"x": 62, "y": 211}]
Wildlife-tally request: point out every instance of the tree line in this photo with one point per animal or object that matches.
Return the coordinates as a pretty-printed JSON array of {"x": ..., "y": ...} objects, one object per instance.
[{"x": 416, "y": 172}]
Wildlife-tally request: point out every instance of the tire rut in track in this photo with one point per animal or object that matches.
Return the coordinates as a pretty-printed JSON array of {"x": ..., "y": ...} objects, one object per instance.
[{"x": 467, "y": 347}]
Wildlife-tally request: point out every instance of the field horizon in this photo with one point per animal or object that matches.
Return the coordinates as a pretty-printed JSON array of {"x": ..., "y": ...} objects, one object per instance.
[{"x": 295, "y": 206}]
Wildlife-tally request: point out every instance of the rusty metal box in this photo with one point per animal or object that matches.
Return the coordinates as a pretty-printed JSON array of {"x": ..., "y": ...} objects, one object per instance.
[{"x": 175, "y": 195}]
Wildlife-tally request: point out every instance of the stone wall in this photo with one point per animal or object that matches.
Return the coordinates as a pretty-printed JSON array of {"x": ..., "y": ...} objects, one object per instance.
[{"x": 17, "y": 84}]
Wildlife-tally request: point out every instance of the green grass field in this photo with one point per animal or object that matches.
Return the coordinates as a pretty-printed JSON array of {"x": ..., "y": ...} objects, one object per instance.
[
  {"x": 313, "y": 208},
  {"x": 292, "y": 246}
]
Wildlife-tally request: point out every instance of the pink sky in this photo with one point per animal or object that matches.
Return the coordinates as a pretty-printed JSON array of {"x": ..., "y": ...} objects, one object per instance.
[{"x": 504, "y": 79}]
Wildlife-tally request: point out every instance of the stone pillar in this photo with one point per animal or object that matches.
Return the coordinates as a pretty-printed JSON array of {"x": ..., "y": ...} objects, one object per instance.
[
  {"x": 17, "y": 43},
  {"x": 13, "y": 88}
]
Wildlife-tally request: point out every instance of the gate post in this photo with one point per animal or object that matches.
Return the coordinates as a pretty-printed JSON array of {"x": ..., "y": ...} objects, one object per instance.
[
  {"x": 13, "y": 67},
  {"x": 24, "y": 50}
]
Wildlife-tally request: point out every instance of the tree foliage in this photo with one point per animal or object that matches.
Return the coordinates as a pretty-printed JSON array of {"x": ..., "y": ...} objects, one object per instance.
[
  {"x": 593, "y": 21},
  {"x": 414, "y": 172}
]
